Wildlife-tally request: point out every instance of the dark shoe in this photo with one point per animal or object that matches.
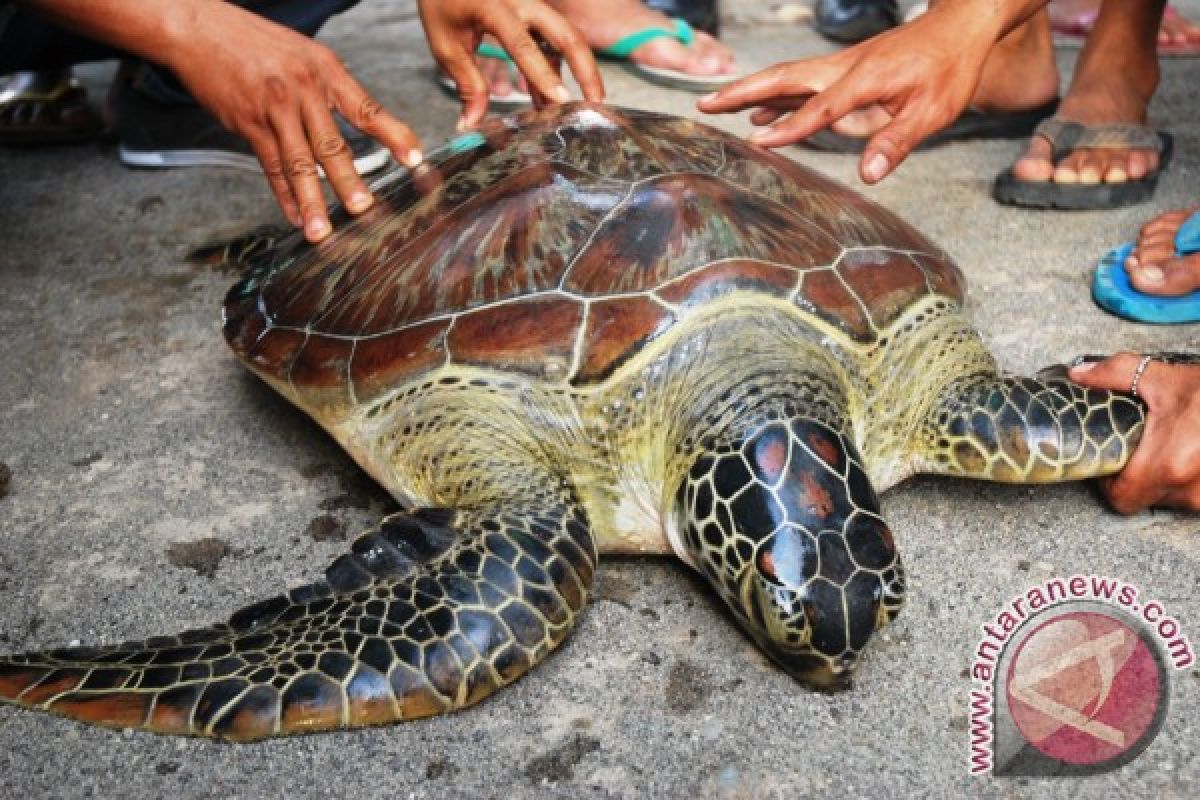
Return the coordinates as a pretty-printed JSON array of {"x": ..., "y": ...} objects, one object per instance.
[
  {"x": 46, "y": 107},
  {"x": 700, "y": 14},
  {"x": 164, "y": 135},
  {"x": 851, "y": 21},
  {"x": 969, "y": 126}
]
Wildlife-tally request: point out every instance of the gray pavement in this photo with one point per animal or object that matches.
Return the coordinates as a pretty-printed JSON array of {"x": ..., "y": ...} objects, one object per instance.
[{"x": 156, "y": 486}]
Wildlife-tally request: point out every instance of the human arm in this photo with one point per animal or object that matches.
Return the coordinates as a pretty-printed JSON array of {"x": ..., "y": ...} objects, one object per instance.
[
  {"x": 1165, "y": 468},
  {"x": 278, "y": 88},
  {"x": 922, "y": 73},
  {"x": 273, "y": 86}
]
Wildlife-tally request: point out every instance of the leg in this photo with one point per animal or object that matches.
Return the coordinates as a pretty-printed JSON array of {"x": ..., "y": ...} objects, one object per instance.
[
  {"x": 1114, "y": 80},
  {"x": 783, "y": 522},
  {"x": 430, "y": 613},
  {"x": 1029, "y": 430}
]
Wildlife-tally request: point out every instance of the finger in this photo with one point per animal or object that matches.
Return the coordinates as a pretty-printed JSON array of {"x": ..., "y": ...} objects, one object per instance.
[
  {"x": 300, "y": 170},
  {"x": 267, "y": 151},
  {"x": 335, "y": 158},
  {"x": 528, "y": 56},
  {"x": 473, "y": 86},
  {"x": 1115, "y": 372},
  {"x": 1186, "y": 498},
  {"x": 765, "y": 116},
  {"x": 567, "y": 40},
  {"x": 794, "y": 79},
  {"x": 893, "y": 143},
  {"x": 1135, "y": 488},
  {"x": 818, "y": 112},
  {"x": 364, "y": 112}
]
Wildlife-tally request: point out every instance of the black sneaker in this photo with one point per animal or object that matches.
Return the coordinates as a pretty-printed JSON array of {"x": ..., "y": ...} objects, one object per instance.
[{"x": 164, "y": 135}]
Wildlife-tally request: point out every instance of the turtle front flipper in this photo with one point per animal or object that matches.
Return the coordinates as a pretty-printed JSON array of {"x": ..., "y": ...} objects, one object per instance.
[
  {"x": 782, "y": 520},
  {"x": 430, "y": 613},
  {"x": 1028, "y": 430}
]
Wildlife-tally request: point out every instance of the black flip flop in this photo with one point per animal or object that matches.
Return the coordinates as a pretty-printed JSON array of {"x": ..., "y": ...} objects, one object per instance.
[
  {"x": 1065, "y": 137},
  {"x": 969, "y": 125}
]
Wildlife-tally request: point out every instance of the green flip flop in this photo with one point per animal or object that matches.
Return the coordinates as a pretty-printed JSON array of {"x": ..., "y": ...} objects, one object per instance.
[
  {"x": 514, "y": 99},
  {"x": 680, "y": 31}
]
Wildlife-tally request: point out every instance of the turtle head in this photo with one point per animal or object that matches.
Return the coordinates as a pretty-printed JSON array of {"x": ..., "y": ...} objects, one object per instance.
[
  {"x": 785, "y": 525},
  {"x": 809, "y": 617}
]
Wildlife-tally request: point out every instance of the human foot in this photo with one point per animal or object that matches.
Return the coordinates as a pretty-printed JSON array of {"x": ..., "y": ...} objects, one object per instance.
[
  {"x": 1112, "y": 102},
  {"x": 1114, "y": 80},
  {"x": 605, "y": 24},
  {"x": 1154, "y": 266},
  {"x": 506, "y": 85}
]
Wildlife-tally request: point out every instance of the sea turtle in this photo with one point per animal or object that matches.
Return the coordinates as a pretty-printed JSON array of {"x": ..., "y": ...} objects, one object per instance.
[{"x": 586, "y": 330}]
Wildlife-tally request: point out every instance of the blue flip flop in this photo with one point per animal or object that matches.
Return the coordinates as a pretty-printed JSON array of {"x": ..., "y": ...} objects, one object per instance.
[{"x": 1113, "y": 292}]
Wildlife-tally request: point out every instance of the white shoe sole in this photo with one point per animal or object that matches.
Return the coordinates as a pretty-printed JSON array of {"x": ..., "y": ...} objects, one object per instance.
[{"x": 171, "y": 159}]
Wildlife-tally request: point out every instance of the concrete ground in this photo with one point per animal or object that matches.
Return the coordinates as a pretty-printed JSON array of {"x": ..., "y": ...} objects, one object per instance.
[{"x": 156, "y": 486}]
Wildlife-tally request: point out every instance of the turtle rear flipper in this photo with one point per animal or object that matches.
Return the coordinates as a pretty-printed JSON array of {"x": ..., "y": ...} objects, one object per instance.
[
  {"x": 430, "y": 613},
  {"x": 1029, "y": 430},
  {"x": 244, "y": 251}
]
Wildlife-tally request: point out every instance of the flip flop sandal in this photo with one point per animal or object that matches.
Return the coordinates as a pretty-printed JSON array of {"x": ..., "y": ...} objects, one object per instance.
[
  {"x": 514, "y": 99},
  {"x": 1073, "y": 32},
  {"x": 1066, "y": 137},
  {"x": 1113, "y": 292},
  {"x": 970, "y": 125},
  {"x": 38, "y": 108},
  {"x": 682, "y": 32}
]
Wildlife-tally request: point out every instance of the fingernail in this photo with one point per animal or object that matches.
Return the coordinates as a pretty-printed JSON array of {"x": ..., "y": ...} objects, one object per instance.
[
  {"x": 461, "y": 125},
  {"x": 1151, "y": 275},
  {"x": 359, "y": 201},
  {"x": 708, "y": 98},
  {"x": 876, "y": 167},
  {"x": 317, "y": 228},
  {"x": 413, "y": 159},
  {"x": 560, "y": 93},
  {"x": 1084, "y": 367}
]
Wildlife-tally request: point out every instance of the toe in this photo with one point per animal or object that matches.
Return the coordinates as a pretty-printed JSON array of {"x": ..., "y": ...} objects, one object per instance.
[
  {"x": 1079, "y": 166},
  {"x": 496, "y": 74},
  {"x": 712, "y": 48},
  {"x": 1036, "y": 164},
  {"x": 1140, "y": 163},
  {"x": 1176, "y": 276}
]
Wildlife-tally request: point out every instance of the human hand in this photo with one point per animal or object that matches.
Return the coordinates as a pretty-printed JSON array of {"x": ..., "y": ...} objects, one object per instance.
[
  {"x": 455, "y": 28},
  {"x": 278, "y": 89},
  {"x": 1165, "y": 468},
  {"x": 922, "y": 74}
]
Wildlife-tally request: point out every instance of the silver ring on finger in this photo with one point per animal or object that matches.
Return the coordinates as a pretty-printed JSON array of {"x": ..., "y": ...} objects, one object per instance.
[{"x": 1137, "y": 375}]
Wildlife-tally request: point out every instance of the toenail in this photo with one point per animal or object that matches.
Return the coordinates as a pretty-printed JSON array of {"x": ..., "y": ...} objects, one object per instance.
[
  {"x": 1065, "y": 176},
  {"x": 1152, "y": 275},
  {"x": 1116, "y": 175}
]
